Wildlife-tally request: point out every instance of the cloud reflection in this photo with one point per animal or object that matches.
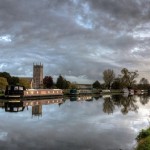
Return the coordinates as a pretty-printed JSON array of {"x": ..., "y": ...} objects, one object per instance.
[
  {"x": 78, "y": 124},
  {"x": 3, "y": 136}
]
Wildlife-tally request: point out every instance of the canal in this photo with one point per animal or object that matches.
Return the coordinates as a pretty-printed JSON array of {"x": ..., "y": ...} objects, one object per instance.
[{"x": 79, "y": 123}]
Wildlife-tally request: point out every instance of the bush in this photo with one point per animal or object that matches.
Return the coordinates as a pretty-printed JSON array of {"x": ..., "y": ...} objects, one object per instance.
[
  {"x": 143, "y": 134},
  {"x": 144, "y": 144}
]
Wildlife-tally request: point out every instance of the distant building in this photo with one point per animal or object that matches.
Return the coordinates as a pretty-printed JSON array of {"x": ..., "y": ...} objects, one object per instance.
[
  {"x": 84, "y": 86},
  {"x": 37, "y": 76}
]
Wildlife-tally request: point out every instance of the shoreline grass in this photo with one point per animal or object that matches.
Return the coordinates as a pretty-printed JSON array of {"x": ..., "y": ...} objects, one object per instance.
[{"x": 143, "y": 140}]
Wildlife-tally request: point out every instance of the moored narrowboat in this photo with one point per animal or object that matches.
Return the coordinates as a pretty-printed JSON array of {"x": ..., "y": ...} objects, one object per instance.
[{"x": 13, "y": 91}]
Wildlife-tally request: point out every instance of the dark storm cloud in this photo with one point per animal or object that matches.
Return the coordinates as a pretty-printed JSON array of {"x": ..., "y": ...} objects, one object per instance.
[{"x": 76, "y": 38}]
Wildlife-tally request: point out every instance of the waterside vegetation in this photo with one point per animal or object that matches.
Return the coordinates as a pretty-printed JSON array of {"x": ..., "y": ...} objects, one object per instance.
[
  {"x": 143, "y": 140},
  {"x": 111, "y": 81}
]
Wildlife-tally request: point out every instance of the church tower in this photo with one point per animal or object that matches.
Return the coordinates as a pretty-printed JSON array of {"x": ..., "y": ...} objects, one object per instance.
[{"x": 37, "y": 76}]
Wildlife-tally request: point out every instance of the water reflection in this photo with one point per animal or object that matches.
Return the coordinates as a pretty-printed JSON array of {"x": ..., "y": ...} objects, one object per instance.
[
  {"x": 74, "y": 123},
  {"x": 18, "y": 105},
  {"x": 14, "y": 106},
  {"x": 81, "y": 98},
  {"x": 144, "y": 99},
  {"x": 108, "y": 105},
  {"x": 126, "y": 103}
]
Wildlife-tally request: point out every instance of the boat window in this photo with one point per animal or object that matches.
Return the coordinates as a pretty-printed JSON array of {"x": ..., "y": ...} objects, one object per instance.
[
  {"x": 16, "y": 88},
  {"x": 9, "y": 88},
  {"x": 21, "y": 88}
]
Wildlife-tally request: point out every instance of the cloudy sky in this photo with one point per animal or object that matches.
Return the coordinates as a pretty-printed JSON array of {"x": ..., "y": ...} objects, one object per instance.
[{"x": 76, "y": 38}]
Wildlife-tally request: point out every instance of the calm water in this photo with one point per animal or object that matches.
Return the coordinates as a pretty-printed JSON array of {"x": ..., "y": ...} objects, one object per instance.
[{"x": 85, "y": 123}]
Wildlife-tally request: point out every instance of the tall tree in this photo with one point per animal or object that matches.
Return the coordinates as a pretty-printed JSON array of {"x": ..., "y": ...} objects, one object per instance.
[
  {"x": 48, "y": 82},
  {"x": 60, "y": 82},
  {"x": 108, "y": 77},
  {"x": 128, "y": 77}
]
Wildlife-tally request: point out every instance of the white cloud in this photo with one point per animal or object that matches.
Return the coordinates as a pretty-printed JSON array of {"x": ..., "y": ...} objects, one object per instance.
[{"x": 5, "y": 38}]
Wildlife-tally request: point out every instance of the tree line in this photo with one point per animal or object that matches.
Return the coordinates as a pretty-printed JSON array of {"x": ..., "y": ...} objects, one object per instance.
[
  {"x": 126, "y": 79},
  {"x": 61, "y": 83}
]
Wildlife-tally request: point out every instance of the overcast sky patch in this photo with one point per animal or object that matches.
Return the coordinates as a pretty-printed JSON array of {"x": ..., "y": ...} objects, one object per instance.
[{"x": 84, "y": 37}]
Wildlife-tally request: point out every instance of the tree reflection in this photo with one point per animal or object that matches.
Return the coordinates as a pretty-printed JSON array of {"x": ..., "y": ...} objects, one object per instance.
[
  {"x": 144, "y": 99},
  {"x": 108, "y": 105},
  {"x": 125, "y": 103},
  {"x": 129, "y": 104}
]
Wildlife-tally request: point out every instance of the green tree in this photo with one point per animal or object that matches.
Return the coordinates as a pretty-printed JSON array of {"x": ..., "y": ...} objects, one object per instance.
[
  {"x": 108, "y": 77},
  {"x": 6, "y": 75},
  {"x": 3, "y": 83},
  {"x": 73, "y": 86},
  {"x": 24, "y": 82},
  {"x": 60, "y": 82},
  {"x": 96, "y": 85},
  {"x": 48, "y": 82},
  {"x": 67, "y": 84},
  {"x": 14, "y": 80}
]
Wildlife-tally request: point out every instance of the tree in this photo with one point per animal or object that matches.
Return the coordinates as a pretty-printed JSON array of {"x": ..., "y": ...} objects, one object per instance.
[
  {"x": 60, "y": 82},
  {"x": 3, "y": 83},
  {"x": 14, "y": 80},
  {"x": 117, "y": 84},
  {"x": 143, "y": 84},
  {"x": 128, "y": 77},
  {"x": 144, "y": 81},
  {"x": 6, "y": 75},
  {"x": 48, "y": 82},
  {"x": 24, "y": 82},
  {"x": 67, "y": 84},
  {"x": 73, "y": 86},
  {"x": 96, "y": 85},
  {"x": 108, "y": 77}
]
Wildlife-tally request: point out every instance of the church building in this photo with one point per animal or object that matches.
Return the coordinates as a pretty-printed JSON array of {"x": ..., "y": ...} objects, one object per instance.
[{"x": 37, "y": 76}]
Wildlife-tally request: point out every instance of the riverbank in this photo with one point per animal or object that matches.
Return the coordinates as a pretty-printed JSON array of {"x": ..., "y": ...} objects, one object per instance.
[{"x": 143, "y": 140}]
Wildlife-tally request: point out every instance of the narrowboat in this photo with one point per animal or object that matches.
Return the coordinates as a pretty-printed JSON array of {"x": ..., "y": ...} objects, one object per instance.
[
  {"x": 30, "y": 93},
  {"x": 13, "y": 91}
]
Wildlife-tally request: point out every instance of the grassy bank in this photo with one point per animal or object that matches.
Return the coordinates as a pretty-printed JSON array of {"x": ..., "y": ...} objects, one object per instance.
[{"x": 144, "y": 140}]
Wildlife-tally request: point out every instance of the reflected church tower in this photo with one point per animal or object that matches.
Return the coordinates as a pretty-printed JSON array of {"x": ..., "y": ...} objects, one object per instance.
[
  {"x": 37, "y": 76},
  {"x": 37, "y": 110}
]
